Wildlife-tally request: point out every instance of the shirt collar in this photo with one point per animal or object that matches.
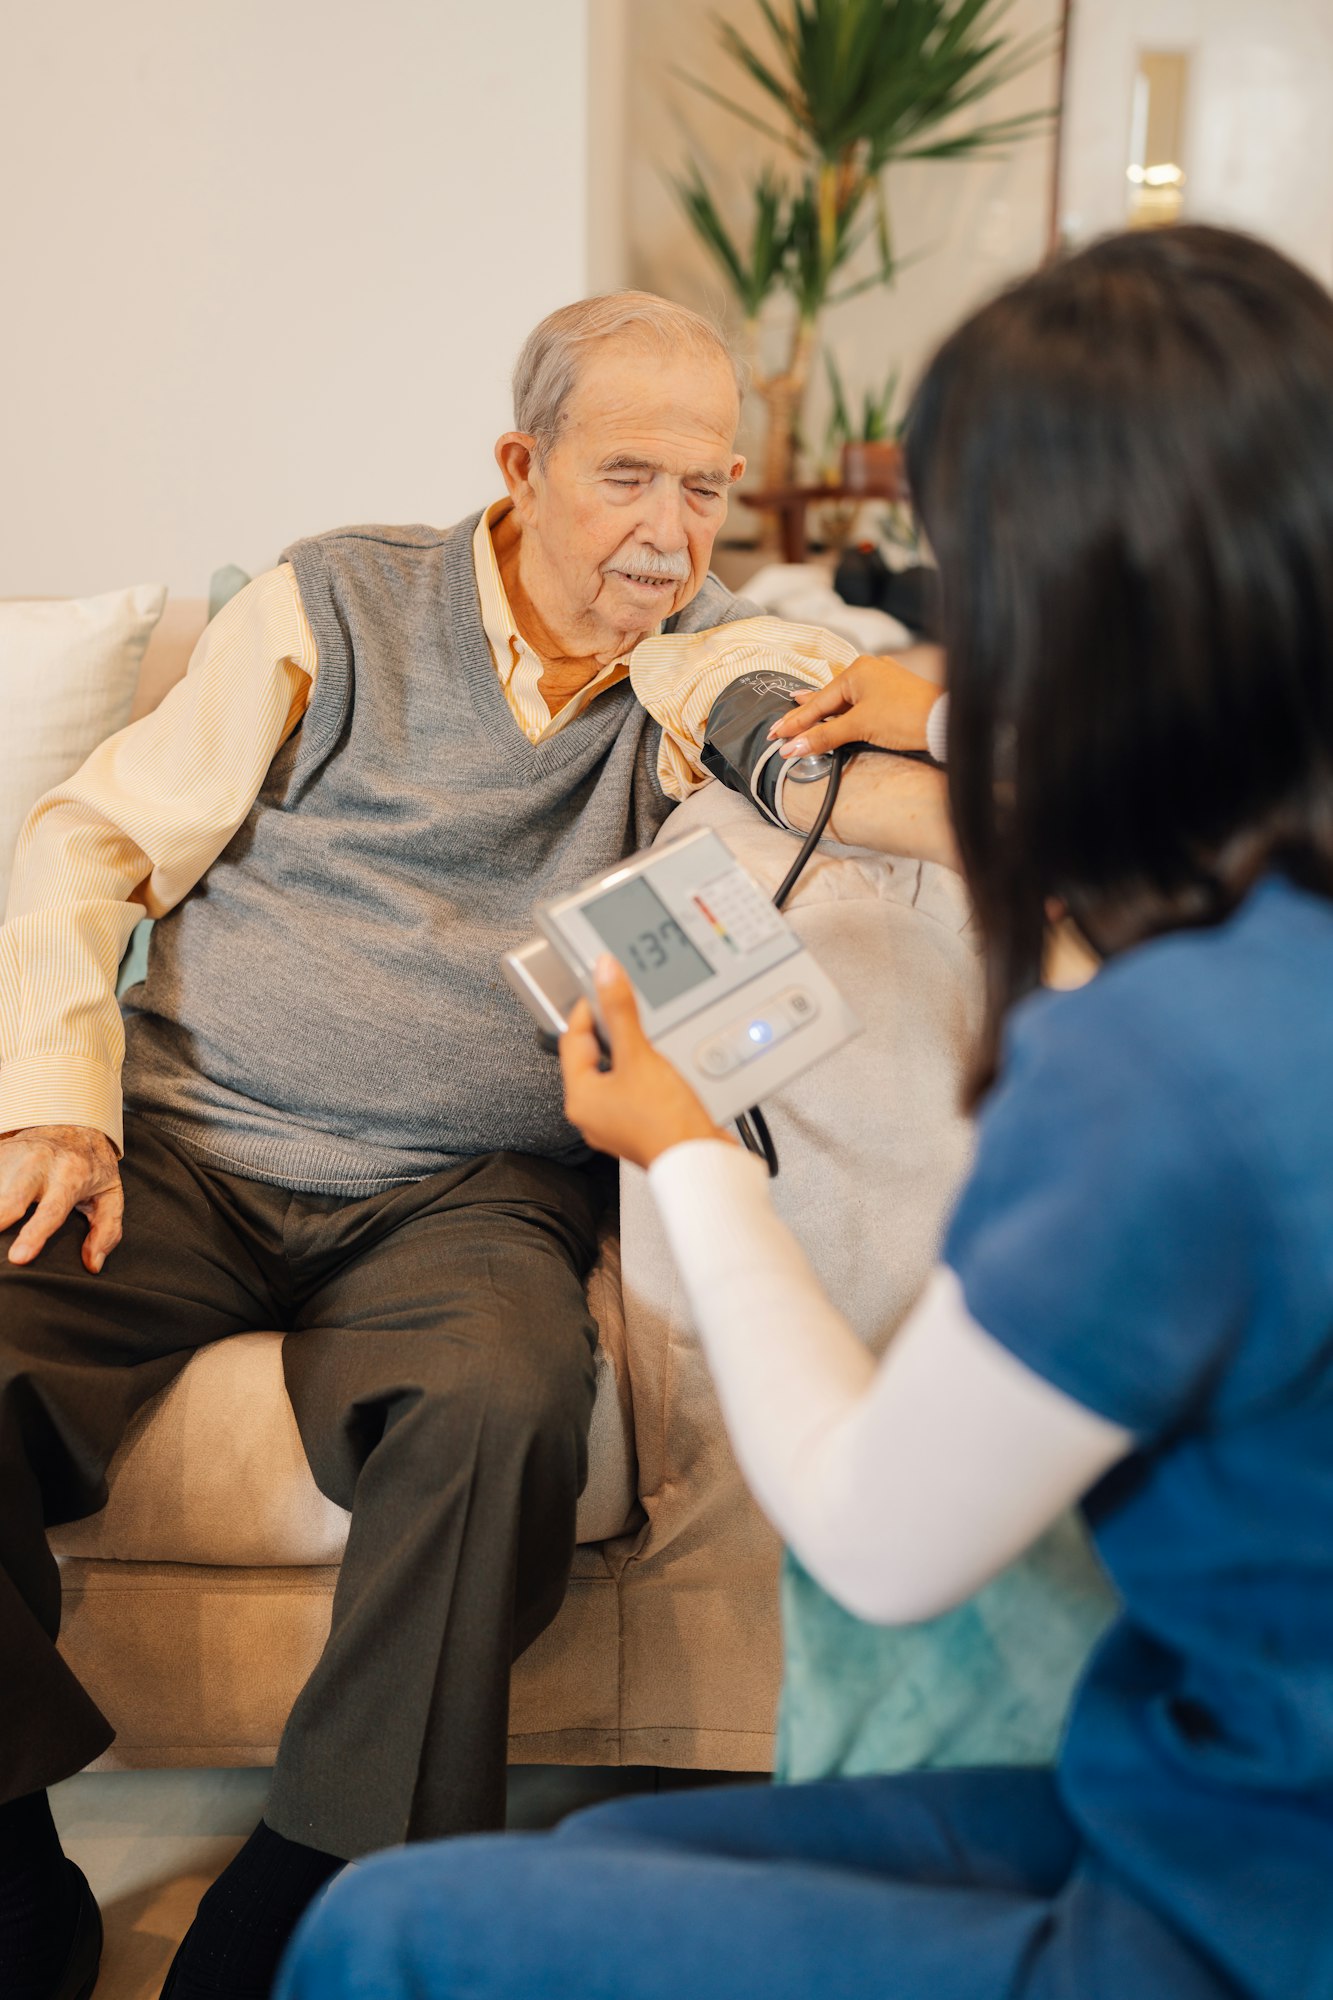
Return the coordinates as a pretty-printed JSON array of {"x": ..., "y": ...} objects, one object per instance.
[{"x": 497, "y": 620}]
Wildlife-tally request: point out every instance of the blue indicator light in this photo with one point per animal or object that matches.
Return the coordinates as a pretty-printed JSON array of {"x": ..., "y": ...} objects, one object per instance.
[{"x": 760, "y": 1032}]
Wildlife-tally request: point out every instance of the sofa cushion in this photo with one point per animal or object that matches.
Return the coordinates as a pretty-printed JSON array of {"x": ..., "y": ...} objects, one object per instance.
[
  {"x": 68, "y": 669},
  {"x": 212, "y": 1470}
]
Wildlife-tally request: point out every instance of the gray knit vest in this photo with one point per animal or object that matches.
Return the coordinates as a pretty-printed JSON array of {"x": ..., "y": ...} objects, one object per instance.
[{"x": 325, "y": 1009}]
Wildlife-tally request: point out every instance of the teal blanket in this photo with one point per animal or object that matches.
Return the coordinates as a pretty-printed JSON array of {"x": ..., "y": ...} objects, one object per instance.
[{"x": 989, "y": 1683}]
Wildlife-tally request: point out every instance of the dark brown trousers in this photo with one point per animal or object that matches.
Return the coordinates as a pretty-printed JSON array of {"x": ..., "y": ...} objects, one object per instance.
[{"x": 439, "y": 1360}]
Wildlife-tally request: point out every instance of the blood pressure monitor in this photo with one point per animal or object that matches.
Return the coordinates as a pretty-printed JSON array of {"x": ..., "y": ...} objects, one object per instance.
[{"x": 726, "y": 990}]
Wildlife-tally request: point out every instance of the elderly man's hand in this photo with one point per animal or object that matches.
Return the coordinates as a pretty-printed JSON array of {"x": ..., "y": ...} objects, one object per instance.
[
  {"x": 639, "y": 1107},
  {"x": 890, "y": 804},
  {"x": 60, "y": 1168}
]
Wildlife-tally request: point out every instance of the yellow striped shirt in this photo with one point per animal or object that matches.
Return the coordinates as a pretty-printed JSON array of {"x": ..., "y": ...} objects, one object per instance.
[{"x": 141, "y": 821}]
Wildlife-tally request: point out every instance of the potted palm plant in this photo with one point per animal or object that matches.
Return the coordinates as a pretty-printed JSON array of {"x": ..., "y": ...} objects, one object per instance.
[
  {"x": 867, "y": 438},
  {"x": 848, "y": 87}
]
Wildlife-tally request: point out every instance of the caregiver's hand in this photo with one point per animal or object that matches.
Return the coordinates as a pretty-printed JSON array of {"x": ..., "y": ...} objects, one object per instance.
[
  {"x": 641, "y": 1106},
  {"x": 878, "y": 701}
]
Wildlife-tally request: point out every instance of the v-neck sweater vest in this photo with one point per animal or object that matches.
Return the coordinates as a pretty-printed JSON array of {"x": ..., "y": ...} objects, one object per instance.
[{"x": 326, "y": 1010}]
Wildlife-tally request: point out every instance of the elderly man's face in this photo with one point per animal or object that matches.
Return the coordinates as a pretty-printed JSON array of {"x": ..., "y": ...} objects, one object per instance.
[{"x": 618, "y": 524}]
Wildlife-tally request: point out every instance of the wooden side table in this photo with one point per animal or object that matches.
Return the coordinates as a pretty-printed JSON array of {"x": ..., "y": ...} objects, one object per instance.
[{"x": 790, "y": 503}]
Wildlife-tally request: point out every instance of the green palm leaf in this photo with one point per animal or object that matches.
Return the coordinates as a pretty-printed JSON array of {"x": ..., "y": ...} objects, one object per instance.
[
  {"x": 754, "y": 269},
  {"x": 878, "y": 76}
]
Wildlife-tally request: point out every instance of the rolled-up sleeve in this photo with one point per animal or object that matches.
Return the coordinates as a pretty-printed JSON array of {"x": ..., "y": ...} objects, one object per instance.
[{"x": 678, "y": 677}]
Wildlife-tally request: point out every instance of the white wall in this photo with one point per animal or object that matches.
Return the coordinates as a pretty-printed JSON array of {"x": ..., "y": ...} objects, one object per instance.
[
  {"x": 962, "y": 228},
  {"x": 608, "y": 140},
  {"x": 266, "y": 266},
  {"x": 1258, "y": 123}
]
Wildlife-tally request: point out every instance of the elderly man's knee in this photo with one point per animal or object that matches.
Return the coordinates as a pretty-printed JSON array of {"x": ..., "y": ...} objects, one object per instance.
[
  {"x": 539, "y": 1412},
  {"x": 534, "y": 1400}
]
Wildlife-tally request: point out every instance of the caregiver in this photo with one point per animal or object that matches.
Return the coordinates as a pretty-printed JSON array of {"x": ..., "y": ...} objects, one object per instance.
[{"x": 1125, "y": 467}]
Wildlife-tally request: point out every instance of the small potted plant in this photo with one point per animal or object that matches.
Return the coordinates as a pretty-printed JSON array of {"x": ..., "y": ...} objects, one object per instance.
[{"x": 872, "y": 454}]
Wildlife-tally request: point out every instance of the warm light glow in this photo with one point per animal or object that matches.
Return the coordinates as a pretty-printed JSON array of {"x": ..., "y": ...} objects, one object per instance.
[
  {"x": 1155, "y": 177},
  {"x": 1157, "y": 138}
]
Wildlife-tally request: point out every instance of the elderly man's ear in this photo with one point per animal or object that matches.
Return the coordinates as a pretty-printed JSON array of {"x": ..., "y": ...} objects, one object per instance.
[{"x": 515, "y": 456}]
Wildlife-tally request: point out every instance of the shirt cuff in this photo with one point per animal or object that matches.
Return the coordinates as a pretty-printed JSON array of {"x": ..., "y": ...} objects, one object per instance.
[
  {"x": 62, "y": 1090},
  {"x": 937, "y": 730}
]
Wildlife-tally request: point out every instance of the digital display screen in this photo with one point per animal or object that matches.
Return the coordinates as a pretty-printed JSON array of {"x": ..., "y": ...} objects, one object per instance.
[{"x": 637, "y": 928}]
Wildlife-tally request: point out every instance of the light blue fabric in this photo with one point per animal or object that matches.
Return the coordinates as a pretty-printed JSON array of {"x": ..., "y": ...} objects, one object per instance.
[
  {"x": 989, "y": 1683},
  {"x": 223, "y": 586},
  {"x": 135, "y": 962}
]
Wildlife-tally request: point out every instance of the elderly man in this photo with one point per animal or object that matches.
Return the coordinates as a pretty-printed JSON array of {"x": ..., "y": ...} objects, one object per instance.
[{"x": 335, "y": 1121}]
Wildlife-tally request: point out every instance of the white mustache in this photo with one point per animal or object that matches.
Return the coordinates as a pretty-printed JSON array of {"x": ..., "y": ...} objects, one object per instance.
[{"x": 651, "y": 562}]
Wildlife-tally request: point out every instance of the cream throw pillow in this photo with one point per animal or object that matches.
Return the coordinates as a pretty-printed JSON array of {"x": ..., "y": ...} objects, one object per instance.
[{"x": 68, "y": 670}]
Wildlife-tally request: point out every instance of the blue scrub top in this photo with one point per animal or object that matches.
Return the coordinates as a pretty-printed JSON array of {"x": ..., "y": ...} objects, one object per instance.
[{"x": 1149, "y": 1226}]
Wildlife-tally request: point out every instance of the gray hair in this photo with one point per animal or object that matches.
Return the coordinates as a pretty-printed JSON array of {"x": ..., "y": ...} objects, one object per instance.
[{"x": 547, "y": 368}]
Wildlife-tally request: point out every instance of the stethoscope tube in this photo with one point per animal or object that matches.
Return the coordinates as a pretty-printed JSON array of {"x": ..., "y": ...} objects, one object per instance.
[{"x": 752, "y": 1125}]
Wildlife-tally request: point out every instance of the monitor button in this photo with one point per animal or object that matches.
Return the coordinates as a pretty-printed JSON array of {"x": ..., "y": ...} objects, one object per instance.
[
  {"x": 753, "y": 1038},
  {"x": 718, "y": 1057},
  {"x": 798, "y": 1006}
]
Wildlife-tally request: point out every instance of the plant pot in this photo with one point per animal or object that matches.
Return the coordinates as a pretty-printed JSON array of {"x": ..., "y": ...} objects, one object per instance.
[{"x": 874, "y": 469}]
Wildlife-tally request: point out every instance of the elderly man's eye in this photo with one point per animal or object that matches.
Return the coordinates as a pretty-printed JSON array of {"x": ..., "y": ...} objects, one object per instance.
[{"x": 626, "y": 482}]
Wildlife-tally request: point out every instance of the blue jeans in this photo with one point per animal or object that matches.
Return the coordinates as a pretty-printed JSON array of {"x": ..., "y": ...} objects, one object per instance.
[{"x": 941, "y": 1886}]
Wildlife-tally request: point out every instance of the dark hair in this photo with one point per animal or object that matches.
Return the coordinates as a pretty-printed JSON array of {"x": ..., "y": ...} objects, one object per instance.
[{"x": 1125, "y": 467}]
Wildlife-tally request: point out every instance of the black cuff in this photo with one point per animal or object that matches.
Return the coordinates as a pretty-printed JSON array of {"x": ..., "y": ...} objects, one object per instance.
[{"x": 736, "y": 745}]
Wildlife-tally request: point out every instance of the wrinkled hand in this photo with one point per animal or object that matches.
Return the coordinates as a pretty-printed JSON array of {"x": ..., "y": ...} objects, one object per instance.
[
  {"x": 878, "y": 701},
  {"x": 641, "y": 1106},
  {"x": 61, "y": 1168}
]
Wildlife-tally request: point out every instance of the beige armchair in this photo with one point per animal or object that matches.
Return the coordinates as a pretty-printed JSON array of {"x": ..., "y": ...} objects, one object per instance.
[{"x": 196, "y": 1602}]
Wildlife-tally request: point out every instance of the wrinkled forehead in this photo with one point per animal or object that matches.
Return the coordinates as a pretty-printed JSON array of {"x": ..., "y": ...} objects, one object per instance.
[{"x": 633, "y": 396}]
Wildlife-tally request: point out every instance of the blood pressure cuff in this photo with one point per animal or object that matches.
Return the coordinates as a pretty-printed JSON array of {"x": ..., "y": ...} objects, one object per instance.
[{"x": 736, "y": 748}]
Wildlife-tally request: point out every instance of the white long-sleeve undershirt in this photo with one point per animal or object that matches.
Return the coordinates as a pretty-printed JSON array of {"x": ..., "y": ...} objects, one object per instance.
[{"x": 903, "y": 1485}]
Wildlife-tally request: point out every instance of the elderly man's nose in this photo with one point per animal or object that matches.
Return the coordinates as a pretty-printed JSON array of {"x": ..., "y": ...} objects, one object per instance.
[{"x": 664, "y": 516}]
